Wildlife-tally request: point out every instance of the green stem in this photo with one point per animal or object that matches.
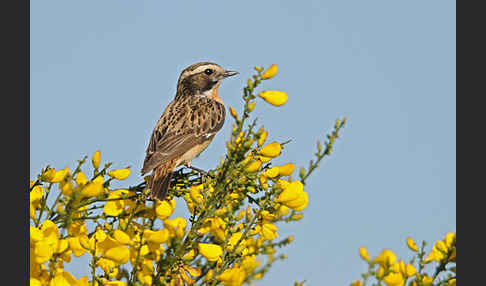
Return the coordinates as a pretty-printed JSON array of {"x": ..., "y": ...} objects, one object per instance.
[{"x": 43, "y": 204}]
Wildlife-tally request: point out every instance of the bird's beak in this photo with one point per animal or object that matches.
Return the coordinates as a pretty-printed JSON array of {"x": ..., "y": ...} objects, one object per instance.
[{"x": 229, "y": 73}]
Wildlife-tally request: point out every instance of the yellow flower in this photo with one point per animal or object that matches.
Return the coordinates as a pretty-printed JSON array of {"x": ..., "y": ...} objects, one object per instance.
[
  {"x": 249, "y": 263},
  {"x": 75, "y": 246},
  {"x": 190, "y": 255},
  {"x": 211, "y": 251},
  {"x": 386, "y": 257},
  {"x": 158, "y": 237},
  {"x": 262, "y": 138},
  {"x": 433, "y": 256},
  {"x": 32, "y": 211},
  {"x": 43, "y": 251},
  {"x": 296, "y": 217},
  {"x": 48, "y": 175},
  {"x": 119, "y": 174},
  {"x": 270, "y": 72},
  {"x": 163, "y": 209},
  {"x": 291, "y": 192},
  {"x": 96, "y": 159},
  {"x": 274, "y": 97},
  {"x": 250, "y": 83},
  {"x": 34, "y": 282},
  {"x": 189, "y": 203},
  {"x": 411, "y": 244},
  {"x": 85, "y": 242},
  {"x": 233, "y": 113},
  {"x": 287, "y": 169},
  {"x": 35, "y": 235},
  {"x": 249, "y": 215},
  {"x": 441, "y": 246},
  {"x": 81, "y": 179},
  {"x": 266, "y": 216},
  {"x": 115, "y": 283},
  {"x": 50, "y": 232},
  {"x": 195, "y": 194},
  {"x": 254, "y": 166},
  {"x": 283, "y": 211},
  {"x": 356, "y": 283},
  {"x": 425, "y": 280},
  {"x": 258, "y": 68},
  {"x": 121, "y": 236},
  {"x": 217, "y": 227},
  {"x": 63, "y": 278},
  {"x": 115, "y": 207},
  {"x": 269, "y": 231},
  {"x": 176, "y": 226},
  {"x": 272, "y": 172},
  {"x": 394, "y": 279},
  {"x": 250, "y": 106},
  {"x": 77, "y": 228},
  {"x": 66, "y": 188},
  {"x": 59, "y": 175},
  {"x": 264, "y": 159},
  {"x": 300, "y": 203},
  {"x": 112, "y": 249},
  {"x": 233, "y": 240},
  {"x": 106, "y": 264},
  {"x": 93, "y": 188},
  {"x": 193, "y": 271},
  {"x": 363, "y": 252},
  {"x": 263, "y": 181},
  {"x": 283, "y": 184},
  {"x": 271, "y": 150},
  {"x": 62, "y": 245},
  {"x": 407, "y": 270},
  {"x": 240, "y": 215},
  {"x": 232, "y": 276},
  {"x": 36, "y": 195},
  {"x": 449, "y": 239},
  {"x": 119, "y": 254}
]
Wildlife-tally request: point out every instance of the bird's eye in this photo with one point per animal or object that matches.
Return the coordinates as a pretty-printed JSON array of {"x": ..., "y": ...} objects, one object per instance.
[{"x": 208, "y": 71}]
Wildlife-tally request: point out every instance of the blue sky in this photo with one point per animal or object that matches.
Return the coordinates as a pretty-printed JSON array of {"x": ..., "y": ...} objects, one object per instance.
[{"x": 101, "y": 73}]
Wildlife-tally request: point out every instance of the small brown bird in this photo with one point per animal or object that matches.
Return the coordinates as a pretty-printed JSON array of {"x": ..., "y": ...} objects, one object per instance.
[{"x": 187, "y": 125}]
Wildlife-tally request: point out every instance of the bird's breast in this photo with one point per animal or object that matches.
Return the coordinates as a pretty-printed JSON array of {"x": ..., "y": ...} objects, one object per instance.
[
  {"x": 214, "y": 95},
  {"x": 193, "y": 152}
]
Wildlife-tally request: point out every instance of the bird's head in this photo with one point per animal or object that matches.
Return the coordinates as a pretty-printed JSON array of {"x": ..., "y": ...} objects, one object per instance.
[{"x": 202, "y": 79}]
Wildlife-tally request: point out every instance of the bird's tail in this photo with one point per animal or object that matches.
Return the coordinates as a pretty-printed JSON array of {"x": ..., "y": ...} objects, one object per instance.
[{"x": 159, "y": 181}]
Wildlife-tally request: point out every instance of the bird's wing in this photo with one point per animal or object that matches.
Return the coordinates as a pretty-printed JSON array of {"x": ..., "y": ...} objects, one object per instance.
[{"x": 184, "y": 124}]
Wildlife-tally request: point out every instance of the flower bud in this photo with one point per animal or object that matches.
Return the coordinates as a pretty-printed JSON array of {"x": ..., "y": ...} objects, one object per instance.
[
  {"x": 270, "y": 72},
  {"x": 233, "y": 113},
  {"x": 250, "y": 106},
  {"x": 287, "y": 169},
  {"x": 120, "y": 174},
  {"x": 250, "y": 83},
  {"x": 274, "y": 97},
  {"x": 96, "y": 159}
]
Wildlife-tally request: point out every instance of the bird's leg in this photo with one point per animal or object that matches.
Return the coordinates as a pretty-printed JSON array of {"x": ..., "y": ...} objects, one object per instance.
[
  {"x": 197, "y": 170},
  {"x": 204, "y": 173}
]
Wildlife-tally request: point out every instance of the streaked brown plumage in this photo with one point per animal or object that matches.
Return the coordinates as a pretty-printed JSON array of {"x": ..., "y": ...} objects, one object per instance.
[{"x": 187, "y": 125}]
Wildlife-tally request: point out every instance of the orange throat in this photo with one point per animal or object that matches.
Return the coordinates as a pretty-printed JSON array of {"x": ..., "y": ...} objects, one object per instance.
[{"x": 214, "y": 94}]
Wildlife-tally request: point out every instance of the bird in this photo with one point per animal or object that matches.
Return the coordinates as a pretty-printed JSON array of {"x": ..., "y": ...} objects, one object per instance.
[{"x": 187, "y": 125}]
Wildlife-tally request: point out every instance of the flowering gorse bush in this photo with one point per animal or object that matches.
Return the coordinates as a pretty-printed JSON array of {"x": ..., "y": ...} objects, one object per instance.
[
  {"x": 230, "y": 237},
  {"x": 386, "y": 270}
]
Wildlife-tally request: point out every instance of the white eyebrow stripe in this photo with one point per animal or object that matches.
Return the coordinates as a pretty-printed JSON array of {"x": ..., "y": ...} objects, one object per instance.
[{"x": 198, "y": 70}]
